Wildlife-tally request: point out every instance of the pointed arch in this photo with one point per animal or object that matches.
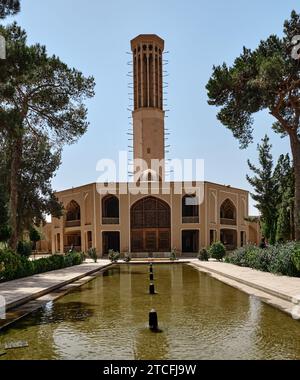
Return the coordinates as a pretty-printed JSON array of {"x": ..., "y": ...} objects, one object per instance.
[
  {"x": 150, "y": 225},
  {"x": 73, "y": 214},
  {"x": 228, "y": 213},
  {"x": 190, "y": 209},
  {"x": 110, "y": 210}
]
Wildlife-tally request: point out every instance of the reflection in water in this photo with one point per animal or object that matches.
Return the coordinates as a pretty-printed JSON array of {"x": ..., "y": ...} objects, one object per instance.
[{"x": 200, "y": 318}]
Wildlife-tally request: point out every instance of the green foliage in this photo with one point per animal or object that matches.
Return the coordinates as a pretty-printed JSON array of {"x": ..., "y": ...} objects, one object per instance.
[
  {"x": 5, "y": 231},
  {"x": 40, "y": 161},
  {"x": 257, "y": 80},
  {"x": 113, "y": 256},
  {"x": 173, "y": 255},
  {"x": 24, "y": 248},
  {"x": 92, "y": 253},
  {"x": 274, "y": 193},
  {"x": 34, "y": 235},
  {"x": 296, "y": 257},
  {"x": 250, "y": 256},
  {"x": 42, "y": 104},
  {"x": 127, "y": 257},
  {"x": 264, "y": 186},
  {"x": 9, "y": 8},
  {"x": 217, "y": 251},
  {"x": 285, "y": 188},
  {"x": 266, "y": 78},
  {"x": 203, "y": 255},
  {"x": 13, "y": 266},
  {"x": 77, "y": 258},
  {"x": 279, "y": 259}
]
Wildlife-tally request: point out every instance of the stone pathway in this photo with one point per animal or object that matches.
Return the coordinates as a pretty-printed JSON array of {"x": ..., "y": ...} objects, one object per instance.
[{"x": 18, "y": 292}]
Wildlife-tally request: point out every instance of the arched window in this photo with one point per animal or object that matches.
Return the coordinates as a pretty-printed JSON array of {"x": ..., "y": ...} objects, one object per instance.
[
  {"x": 228, "y": 213},
  {"x": 110, "y": 210},
  {"x": 190, "y": 209},
  {"x": 73, "y": 214},
  {"x": 150, "y": 212},
  {"x": 150, "y": 225}
]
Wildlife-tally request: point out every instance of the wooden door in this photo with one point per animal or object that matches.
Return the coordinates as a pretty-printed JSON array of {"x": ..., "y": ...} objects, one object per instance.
[{"x": 150, "y": 241}]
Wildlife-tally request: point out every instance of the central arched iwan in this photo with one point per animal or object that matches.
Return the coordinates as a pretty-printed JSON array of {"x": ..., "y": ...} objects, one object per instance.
[{"x": 150, "y": 226}]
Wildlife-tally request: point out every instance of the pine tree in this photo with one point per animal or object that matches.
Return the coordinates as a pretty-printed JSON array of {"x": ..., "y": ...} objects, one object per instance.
[
  {"x": 9, "y": 8},
  {"x": 267, "y": 78},
  {"x": 4, "y": 228},
  {"x": 39, "y": 96},
  {"x": 284, "y": 180},
  {"x": 264, "y": 186}
]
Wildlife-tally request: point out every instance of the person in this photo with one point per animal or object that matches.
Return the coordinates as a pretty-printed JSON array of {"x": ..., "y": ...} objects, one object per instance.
[{"x": 263, "y": 244}]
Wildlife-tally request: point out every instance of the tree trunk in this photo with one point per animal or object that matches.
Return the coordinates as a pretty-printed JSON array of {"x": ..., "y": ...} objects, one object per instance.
[
  {"x": 16, "y": 156},
  {"x": 295, "y": 145}
]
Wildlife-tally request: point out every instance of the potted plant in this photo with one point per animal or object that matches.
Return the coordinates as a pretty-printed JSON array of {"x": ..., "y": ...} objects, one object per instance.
[
  {"x": 113, "y": 256},
  {"x": 173, "y": 255},
  {"x": 127, "y": 257},
  {"x": 92, "y": 253}
]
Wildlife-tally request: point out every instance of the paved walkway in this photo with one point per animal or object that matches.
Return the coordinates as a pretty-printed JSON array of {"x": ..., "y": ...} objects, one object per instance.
[{"x": 18, "y": 292}]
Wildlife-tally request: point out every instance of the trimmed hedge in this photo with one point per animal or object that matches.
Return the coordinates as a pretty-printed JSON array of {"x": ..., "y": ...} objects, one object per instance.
[
  {"x": 13, "y": 265},
  {"x": 281, "y": 259}
]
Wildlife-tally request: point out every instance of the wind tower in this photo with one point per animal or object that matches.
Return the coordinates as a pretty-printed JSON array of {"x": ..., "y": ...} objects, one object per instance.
[{"x": 148, "y": 114}]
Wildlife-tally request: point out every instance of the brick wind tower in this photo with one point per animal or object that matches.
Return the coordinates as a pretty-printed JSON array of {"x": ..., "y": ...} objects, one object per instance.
[{"x": 148, "y": 115}]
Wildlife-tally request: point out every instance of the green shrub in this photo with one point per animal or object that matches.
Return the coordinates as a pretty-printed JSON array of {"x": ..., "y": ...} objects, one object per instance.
[
  {"x": 34, "y": 235},
  {"x": 280, "y": 258},
  {"x": 24, "y": 248},
  {"x": 57, "y": 261},
  {"x": 127, "y": 257},
  {"x": 42, "y": 265},
  {"x": 296, "y": 257},
  {"x": 93, "y": 254},
  {"x": 5, "y": 233},
  {"x": 113, "y": 256},
  {"x": 76, "y": 257},
  {"x": 217, "y": 251},
  {"x": 203, "y": 255},
  {"x": 173, "y": 255},
  {"x": 13, "y": 266},
  {"x": 252, "y": 257}
]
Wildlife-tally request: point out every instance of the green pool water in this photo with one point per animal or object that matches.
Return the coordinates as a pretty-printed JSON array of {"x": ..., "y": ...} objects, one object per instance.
[{"x": 200, "y": 318}]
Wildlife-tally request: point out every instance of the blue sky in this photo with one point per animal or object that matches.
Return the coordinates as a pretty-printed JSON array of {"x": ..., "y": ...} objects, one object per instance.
[{"x": 94, "y": 36}]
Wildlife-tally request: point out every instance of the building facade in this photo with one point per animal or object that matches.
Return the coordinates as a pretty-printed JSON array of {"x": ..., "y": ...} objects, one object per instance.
[
  {"x": 164, "y": 215},
  {"x": 143, "y": 224}
]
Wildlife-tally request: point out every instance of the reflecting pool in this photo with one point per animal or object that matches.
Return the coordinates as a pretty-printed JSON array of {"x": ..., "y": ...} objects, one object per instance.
[{"x": 200, "y": 318}]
